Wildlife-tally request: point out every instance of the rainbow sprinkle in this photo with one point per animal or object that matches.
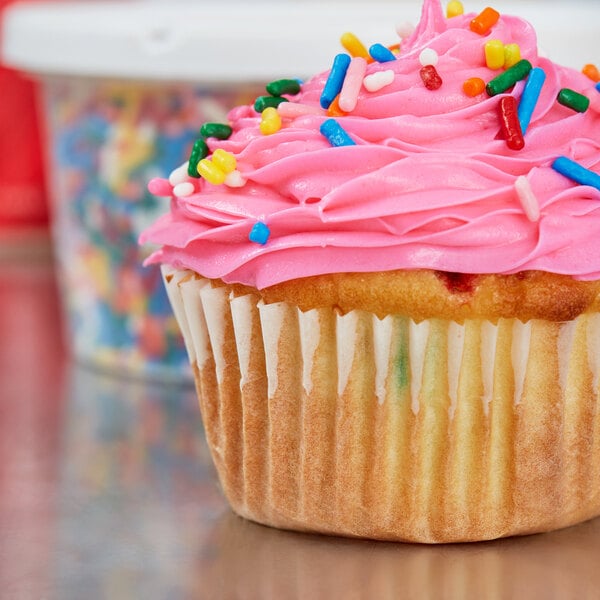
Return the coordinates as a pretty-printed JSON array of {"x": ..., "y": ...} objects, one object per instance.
[
  {"x": 431, "y": 78},
  {"x": 263, "y": 102},
  {"x": 527, "y": 198},
  {"x": 211, "y": 172},
  {"x": 512, "y": 55},
  {"x": 352, "y": 83},
  {"x": 381, "y": 54},
  {"x": 279, "y": 87},
  {"x": 354, "y": 46},
  {"x": 199, "y": 151},
  {"x": 270, "y": 121},
  {"x": 221, "y": 131},
  {"x": 474, "y": 86},
  {"x": 494, "y": 54},
  {"x": 259, "y": 233},
  {"x": 573, "y": 100},
  {"x": 484, "y": 21},
  {"x": 335, "y": 80},
  {"x": 511, "y": 129},
  {"x": 378, "y": 80},
  {"x": 335, "y": 133},
  {"x": 591, "y": 71},
  {"x": 428, "y": 56},
  {"x": 454, "y": 9},
  {"x": 530, "y": 97},
  {"x": 506, "y": 80},
  {"x": 576, "y": 172}
]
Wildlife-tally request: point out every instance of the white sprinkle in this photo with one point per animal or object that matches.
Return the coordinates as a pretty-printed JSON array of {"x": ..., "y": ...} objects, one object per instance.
[
  {"x": 181, "y": 190},
  {"x": 404, "y": 29},
  {"x": 295, "y": 109},
  {"x": 528, "y": 199},
  {"x": 376, "y": 81},
  {"x": 179, "y": 175},
  {"x": 428, "y": 56},
  {"x": 352, "y": 82},
  {"x": 235, "y": 179}
]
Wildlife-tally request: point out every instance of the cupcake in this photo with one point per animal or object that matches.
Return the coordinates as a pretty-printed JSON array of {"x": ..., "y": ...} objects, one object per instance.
[{"x": 387, "y": 278}]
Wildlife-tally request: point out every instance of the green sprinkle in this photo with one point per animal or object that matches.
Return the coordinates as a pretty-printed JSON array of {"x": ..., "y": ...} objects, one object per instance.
[
  {"x": 283, "y": 86},
  {"x": 572, "y": 99},
  {"x": 263, "y": 102},
  {"x": 402, "y": 363},
  {"x": 199, "y": 151},
  {"x": 506, "y": 80},
  {"x": 216, "y": 130}
]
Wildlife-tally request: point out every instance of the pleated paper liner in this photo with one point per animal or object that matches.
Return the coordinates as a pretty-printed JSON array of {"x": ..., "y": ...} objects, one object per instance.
[{"x": 390, "y": 429}]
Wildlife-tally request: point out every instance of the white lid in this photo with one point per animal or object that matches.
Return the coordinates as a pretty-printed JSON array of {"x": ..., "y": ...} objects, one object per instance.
[
  {"x": 230, "y": 41},
  {"x": 218, "y": 41}
]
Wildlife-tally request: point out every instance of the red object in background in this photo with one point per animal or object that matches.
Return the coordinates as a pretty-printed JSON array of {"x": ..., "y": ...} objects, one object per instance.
[{"x": 22, "y": 187}]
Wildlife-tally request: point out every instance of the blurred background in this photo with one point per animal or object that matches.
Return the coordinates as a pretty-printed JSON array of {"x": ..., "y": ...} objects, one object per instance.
[
  {"x": 99, "y": 97},
  {"x": 106, "y": 485}
]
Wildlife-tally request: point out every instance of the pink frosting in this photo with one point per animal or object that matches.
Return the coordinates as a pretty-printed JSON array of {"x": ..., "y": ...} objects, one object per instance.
[{"x": 429, "y": 183}]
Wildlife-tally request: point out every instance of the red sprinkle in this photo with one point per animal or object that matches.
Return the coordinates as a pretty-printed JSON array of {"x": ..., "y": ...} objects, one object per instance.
[
  {"x": 431, "y": 78},
  {"x": 511, "y": 127}
]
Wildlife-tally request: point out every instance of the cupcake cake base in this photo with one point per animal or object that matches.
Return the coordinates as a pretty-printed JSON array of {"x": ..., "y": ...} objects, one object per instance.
[{"x": 386, "y": 428}]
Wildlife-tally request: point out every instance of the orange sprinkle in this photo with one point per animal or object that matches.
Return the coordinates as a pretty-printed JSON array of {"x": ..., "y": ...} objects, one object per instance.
[
  {"x": 334, "y": 109},
  {"x": 484, "y": 21},
  {"x": 592, "y": 72},
  {"x": 473, "y": 86}
]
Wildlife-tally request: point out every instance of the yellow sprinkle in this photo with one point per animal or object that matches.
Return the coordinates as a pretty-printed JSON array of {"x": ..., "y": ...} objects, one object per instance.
[
  {"x": 270, "y": 121},
  {"x": 494, "y": 54},
  {"x": 512, "y": 55},
  {"x": 454, "y": 8},
  {"x": 224, "y": 160},
  {"x": 209, "y": 171},
  {"x": 354, "y": 46}
]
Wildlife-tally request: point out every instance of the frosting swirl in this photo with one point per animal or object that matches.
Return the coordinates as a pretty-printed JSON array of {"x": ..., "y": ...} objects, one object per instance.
[{"x": 429, "y": 183}]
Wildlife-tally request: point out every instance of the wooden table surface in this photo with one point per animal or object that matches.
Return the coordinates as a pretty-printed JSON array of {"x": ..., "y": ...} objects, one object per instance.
[{"x": 107, "y": 491}]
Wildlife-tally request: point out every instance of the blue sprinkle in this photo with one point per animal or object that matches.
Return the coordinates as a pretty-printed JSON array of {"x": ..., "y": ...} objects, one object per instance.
[
  {"x": 598, "y": 86},
  {"x": 530, "y": 96},
  {"x": 335, "y": 81},
  {"x": 381, "y": 54},
  {"x": 578, "y": 173},
  {"x": 335, "y": 133},
  {"x": 259, "y": 233}
]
